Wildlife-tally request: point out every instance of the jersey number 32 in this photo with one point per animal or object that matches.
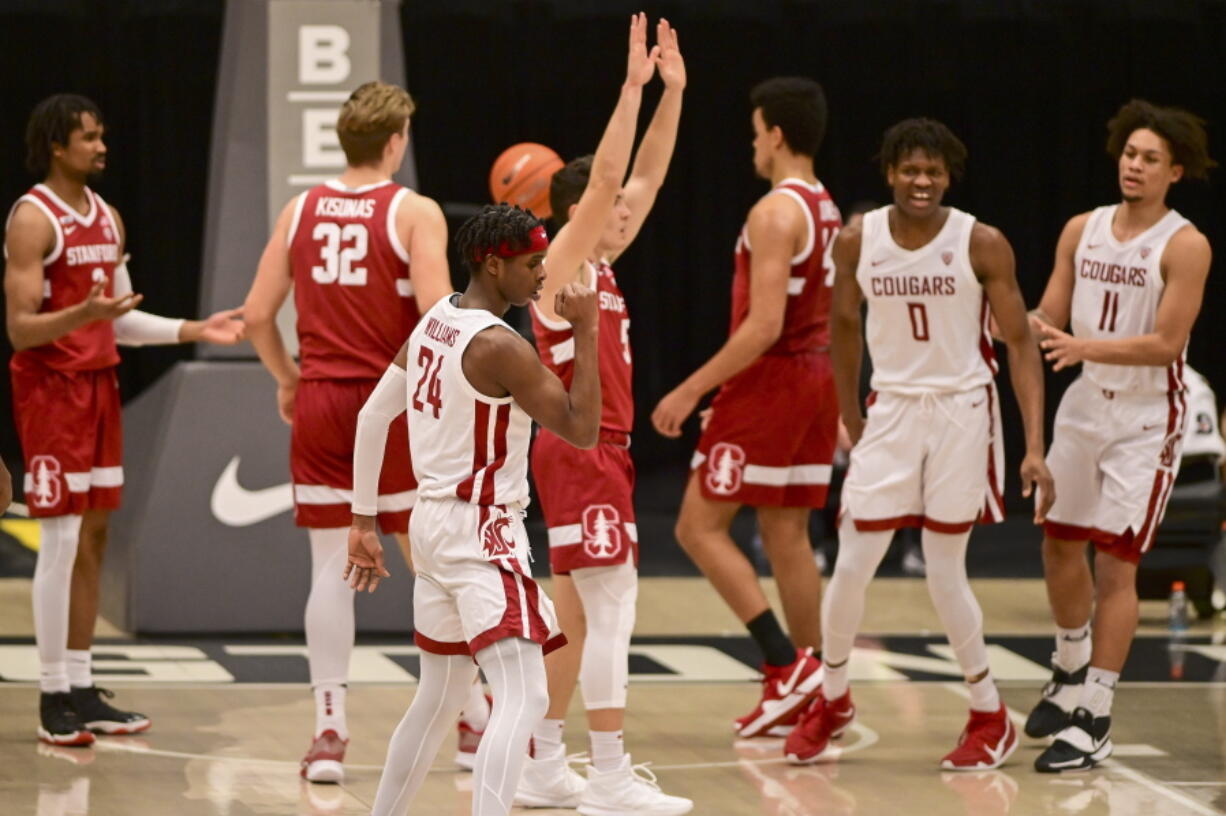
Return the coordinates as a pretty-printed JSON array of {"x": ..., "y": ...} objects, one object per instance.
[{"x": 340, "y": 248}]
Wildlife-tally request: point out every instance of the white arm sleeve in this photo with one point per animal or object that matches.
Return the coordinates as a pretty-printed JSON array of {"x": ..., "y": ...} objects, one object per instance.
[
  {"x": 389, "y": 399},
  {"x": 137, "y": 328}
]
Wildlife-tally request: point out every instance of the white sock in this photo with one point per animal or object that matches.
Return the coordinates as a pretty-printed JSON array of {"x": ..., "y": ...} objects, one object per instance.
[
  {"x": 79, "y": 674},
  {"x": 330, "y": 709},
  {"x": 1099, "y": 691},
  {"x": 1073, "y": 647},
  {"x": 860, "y": 554},
  {"x": 984, "y": 696},
  {"x": 547, "y": 739},
  {"x": 329, "y": 627},
  {"x": 477, "y": 710},
  {"x": 608, "y": 748},
  {"x": 58, "y": 538}
]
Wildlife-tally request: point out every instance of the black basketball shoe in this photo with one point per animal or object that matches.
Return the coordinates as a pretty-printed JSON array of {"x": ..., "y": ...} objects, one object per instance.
[
  {"x": 101, "y": 717},
  {"x": 59, "y": 723},
  {"x": 1080, "y": 746},
  {"x": 1048, "y": 717}
]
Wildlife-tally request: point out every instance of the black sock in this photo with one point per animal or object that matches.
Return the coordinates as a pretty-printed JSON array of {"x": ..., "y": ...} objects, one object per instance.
[{"x": 777, "y": 650}]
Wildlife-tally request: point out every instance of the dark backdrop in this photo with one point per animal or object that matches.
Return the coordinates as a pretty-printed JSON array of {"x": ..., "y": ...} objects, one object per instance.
[{"x": 1027, "y": 85}]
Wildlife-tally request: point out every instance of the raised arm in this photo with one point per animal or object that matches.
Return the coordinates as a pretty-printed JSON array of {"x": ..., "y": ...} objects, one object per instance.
[
  {"x": 992, "y": 260},
  {"x": 774, "y": 224},
  {"x": 656, "y": 150},
  {"x": 1185, "y": 266},
  {"x": 498, "y": 362},
  {"x": 29, "y": 239},
  {"x": 576, "y": 241},
  {"x": 846, "y": 331},
  {"x": 271, "y": 286},
  {"x": 423, "y": 230}
]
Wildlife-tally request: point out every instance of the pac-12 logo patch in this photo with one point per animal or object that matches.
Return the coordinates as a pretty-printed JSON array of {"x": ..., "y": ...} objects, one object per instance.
[
  {"x": 46, "y": 481},
  {"x": 602, "y": 534},
  {"x": 947, "y": 257},
  {"x": 497, "y": 541},
  {"x": 724, "y": 467}
]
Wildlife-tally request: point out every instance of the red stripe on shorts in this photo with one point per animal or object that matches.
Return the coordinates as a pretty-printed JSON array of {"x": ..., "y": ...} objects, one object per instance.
[
  {"x": 501, "y": 421},
  {"x": 985, "y": 337},
  {"x": 993, "y": 483},
  {"x": 481, "y": 421}
]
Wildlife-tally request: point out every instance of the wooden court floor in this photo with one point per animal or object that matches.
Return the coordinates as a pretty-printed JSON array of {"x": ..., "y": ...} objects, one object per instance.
[{"x": 231, "y": 748}]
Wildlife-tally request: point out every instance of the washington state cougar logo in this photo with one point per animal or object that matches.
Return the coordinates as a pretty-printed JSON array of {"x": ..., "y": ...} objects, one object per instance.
[
  {"x": 602, "y": 535},
  {"x": 724, "y": 467},
  {"x": 496, "y": 538},
  {"x": 45, "y": 481}
]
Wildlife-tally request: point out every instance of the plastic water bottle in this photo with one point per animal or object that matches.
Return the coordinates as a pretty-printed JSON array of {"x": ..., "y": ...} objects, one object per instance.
[{"x": 1177, "y": 615}]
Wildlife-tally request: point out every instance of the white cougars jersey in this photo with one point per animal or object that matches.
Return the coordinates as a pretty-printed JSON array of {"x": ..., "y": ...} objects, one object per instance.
[
  {"x": 464, "y": 445},
  {"x": 1116, "y": 290},
  {"x": 927, "y": 327}
]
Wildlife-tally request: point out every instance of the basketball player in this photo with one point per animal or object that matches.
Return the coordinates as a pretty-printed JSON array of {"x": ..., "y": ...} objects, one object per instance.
[
  {"x": 587, "y": 495},
  {"x": 344, "y": 247},
  {"x": 69, "y": 301},
  {"x": 929, "y": 453},
  {"x": 775, "y": 358},
  {"x": 472, "y": 388},
  {"x": 1130, "y": 278}
]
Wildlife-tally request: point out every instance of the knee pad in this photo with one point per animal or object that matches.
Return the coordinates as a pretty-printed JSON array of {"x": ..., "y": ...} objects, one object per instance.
[{"x": 608, "y": 595}]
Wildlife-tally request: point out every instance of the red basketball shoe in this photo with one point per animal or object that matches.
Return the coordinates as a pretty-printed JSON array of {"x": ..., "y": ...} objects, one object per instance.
[
  {"x": 469, "y": 740},
  {"x": 785, "y": 691},
  {"x": 322, "y": 762},
  {"x": 986, "y": 742},
  {"x": 823, "y": 721}
]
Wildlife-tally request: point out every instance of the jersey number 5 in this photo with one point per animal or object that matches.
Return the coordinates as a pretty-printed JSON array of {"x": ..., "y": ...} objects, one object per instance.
[
  {"x": 429, "y": 381},
  {"x": 341, "y": 248}
]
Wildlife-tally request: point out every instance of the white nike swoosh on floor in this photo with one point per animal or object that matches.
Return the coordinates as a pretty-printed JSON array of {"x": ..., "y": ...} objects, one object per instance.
[{"x": 236, "y": 506}]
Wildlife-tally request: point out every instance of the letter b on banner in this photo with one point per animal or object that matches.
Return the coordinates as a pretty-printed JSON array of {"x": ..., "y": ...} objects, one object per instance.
[{"x": 323, "y": 54}]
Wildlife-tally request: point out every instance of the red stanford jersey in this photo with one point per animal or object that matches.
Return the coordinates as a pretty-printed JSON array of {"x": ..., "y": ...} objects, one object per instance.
[
  {"x": 806, "y": 320},
  {"x": 351, "y": 280},
  {"x": 556, "y": 343},
  {"x": 86, "y": 251}
]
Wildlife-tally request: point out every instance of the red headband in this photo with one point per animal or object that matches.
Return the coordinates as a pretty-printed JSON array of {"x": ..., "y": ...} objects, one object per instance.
[{"x": 537, "y": 242}]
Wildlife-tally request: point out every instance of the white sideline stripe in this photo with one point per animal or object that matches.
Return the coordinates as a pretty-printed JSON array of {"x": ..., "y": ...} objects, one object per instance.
[
  {"x": 564, "y": 351},
  {"x": 1019, "y": 720},
  {"x": 322, "y": 494},
  {"x": 796, "y": 286},
  {"x": 565, "y": 535},
  {"x": 793, "y": 475}
]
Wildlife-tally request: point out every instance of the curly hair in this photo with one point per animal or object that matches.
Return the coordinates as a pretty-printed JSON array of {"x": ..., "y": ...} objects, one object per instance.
[
  {"x": 1184, "y": 132},
  {"x": 495, "y": 225},
  {"x": 51, "y": 122},
  {"x": 928, "y": 135}
]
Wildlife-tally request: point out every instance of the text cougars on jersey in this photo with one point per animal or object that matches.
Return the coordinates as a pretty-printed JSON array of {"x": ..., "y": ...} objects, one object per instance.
[
  {"x": 440, "y": 331},
  {"x": 911, "y": 285},
  {"x": 1111, "y": 272},
  {"x": 92, "y": 254},
  {"x": 345, "y": 207}
]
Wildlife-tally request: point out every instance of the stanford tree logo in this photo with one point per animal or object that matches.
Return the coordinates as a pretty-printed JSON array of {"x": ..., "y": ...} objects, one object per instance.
[
  {"x": 47, "y": 481},
  {"x": 602, "y": 535},
  {"x": 724, "y": 467}
]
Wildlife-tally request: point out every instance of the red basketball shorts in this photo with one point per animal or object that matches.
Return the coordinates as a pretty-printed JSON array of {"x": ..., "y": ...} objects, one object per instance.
[
  {"x": 321, "y": 458},
  {"x": 587, "y": 499},
  {"x": 71, "y": 432},
  {"x": 772, "y": 434}
]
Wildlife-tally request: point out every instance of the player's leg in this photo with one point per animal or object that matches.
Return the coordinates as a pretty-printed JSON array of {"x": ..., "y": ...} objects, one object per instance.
[
  {"x": 441, "y": 690},
  {"x": 785, "y": 538},
  {"x": 329, "y": 625},
  {"x": 608, "y": 595}
]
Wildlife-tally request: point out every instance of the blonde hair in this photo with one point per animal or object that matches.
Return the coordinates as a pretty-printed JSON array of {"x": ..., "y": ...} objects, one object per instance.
[{"x": 368, "y": 119}]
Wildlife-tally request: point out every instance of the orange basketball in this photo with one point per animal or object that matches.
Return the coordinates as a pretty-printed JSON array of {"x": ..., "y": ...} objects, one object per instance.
[{"x": 521, "y": 176}]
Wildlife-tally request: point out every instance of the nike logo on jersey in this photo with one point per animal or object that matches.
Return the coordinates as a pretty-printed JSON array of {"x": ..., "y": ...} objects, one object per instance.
[
  {"x": 1152, "y": 426},
  {"x": 70, "y": 230},
  {"x": 236, "y": 506},
  {"x": 1093, "y": 246},
  {"x": 878, "y": 261},
  {"x": 981, "y": 402}
]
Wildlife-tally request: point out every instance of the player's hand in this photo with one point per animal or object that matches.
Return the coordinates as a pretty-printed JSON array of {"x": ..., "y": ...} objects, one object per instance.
[
  {"x": 672, "y": 411},
  {"x": 224, "y": 328},
  {"x": 1036, "y": 325},
  {"x": 286, "y": 395},
  {"x": 1036, "y": 477},
  {"x": 668, "y": 60},
  {"x": 97, "y": 306},
  {"x": 854, "y": 429},
  {"x": 577, "y": 305},
  {"x": 365, "y": 567},
  {"x": 1061, "y": 349},
  {"x": 640, "y": 64}
]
